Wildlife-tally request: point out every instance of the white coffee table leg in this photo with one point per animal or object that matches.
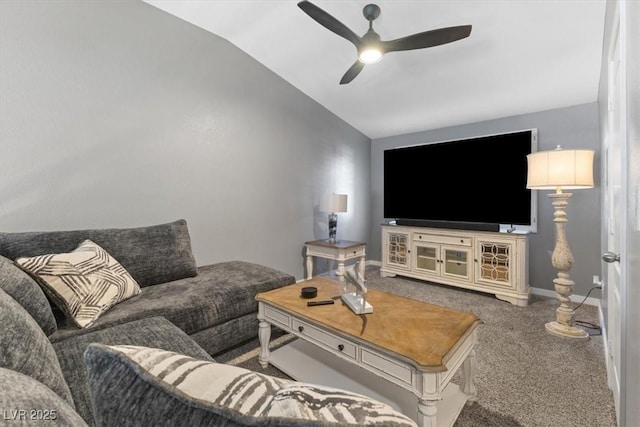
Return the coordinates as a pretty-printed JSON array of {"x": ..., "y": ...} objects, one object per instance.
[
  {"x": 468, "y": 372},
  {"x": 264, "y": 335},
  {"x": 427, "y": 411}
]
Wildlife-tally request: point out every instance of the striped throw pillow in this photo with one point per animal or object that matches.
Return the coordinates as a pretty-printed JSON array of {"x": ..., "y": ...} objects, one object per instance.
[
  {"x": 320, "y": 403},
  {"x": 235, "y": 393},
  {"x": 237, "y": 389},
  {"x": 84, "y": 283}
]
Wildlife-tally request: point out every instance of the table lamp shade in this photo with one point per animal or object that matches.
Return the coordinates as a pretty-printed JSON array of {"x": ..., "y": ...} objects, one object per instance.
[
  {"x": 566, "y": 169},
  {"x": 337, "y": 203}
]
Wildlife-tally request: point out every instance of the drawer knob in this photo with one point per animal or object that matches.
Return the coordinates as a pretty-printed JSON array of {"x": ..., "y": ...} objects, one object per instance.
[
  {"x": 301, "y": 328},
  {"x": 340, "y": 347},
  {"x": 461, "y": 241}
]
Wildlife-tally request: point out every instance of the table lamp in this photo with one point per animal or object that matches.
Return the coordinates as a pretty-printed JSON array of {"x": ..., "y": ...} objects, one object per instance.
[
  {"x": 337, "y": 203},
  {"x": 557, "y": 170}
]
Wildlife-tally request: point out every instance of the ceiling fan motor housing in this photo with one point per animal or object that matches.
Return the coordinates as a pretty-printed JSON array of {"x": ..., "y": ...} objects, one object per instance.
[{"x": 371, "y": 11}]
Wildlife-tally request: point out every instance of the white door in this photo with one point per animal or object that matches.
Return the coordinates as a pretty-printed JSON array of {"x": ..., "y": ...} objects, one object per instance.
[{"x": 614, "y": 222}]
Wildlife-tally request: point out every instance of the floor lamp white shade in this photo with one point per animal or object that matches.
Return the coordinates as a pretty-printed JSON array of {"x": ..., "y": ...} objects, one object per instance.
[
  {"x": 564, "y": 169},
  {"x": 557, "y": 170}
]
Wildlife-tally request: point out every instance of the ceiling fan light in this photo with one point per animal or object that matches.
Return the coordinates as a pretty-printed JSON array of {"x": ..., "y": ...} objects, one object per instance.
[{"x": 370, "y": 55}]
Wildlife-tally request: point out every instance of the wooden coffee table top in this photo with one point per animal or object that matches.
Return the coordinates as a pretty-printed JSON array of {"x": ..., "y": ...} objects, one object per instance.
[{"x": 424, "y": 334}]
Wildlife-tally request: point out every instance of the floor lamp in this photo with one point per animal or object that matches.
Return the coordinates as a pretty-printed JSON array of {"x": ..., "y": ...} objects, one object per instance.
[{"x": 557, "y": 170}]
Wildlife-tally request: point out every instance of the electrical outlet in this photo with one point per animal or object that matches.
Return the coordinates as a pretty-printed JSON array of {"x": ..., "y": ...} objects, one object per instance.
[{"x": 598, "y": 282}]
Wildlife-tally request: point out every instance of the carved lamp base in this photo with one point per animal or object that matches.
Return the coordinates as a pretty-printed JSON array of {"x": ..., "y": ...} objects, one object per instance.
[{"x": 565, "y": 331}]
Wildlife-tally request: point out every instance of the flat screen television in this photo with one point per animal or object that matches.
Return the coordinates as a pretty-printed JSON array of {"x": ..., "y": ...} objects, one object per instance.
[{"x": 476, "y": 183}]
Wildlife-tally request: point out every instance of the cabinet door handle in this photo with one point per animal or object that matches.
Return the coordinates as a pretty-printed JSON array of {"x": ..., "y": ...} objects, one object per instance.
[
  {"x": 300, "y": 328},
  {"x": 340, "y": 347}
]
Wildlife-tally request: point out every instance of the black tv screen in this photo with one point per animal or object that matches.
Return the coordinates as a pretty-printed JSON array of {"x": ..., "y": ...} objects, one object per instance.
[{"x": 476, "y": 180}]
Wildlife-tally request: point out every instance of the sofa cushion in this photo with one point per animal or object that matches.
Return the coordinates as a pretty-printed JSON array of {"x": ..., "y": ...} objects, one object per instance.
[
  {"x": 151, "y": 332},
  {"x": 153, "y": 254},
  {"x": 22, "y": 288},
  {"x": 26, "y": 349},
  {"x": 84, "y": 283},
  {"x": 27, "y": 402},
  {"x": 168, "y": 388},
  {"x": 220, "y": 292}
]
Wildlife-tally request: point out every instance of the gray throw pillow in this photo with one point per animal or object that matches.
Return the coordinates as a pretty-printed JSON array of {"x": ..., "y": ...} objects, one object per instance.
[
  {"x": 133, "y": 385},
  {"x": 26, "y": 349},
  {"x": 27, "y": 402},
  {"x": 22, "y": 288},
  {"x": 322, "y": 403},
  {"x": 152, "y": 255}
]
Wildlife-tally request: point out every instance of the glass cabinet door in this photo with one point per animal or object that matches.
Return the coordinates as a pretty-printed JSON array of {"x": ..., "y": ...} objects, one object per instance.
[
  {"x": 495, "y": 262},
  {"x": 456, "y": 262},
  {"x": 398, "y": 250},
  {"x": 427, "y": 258}
]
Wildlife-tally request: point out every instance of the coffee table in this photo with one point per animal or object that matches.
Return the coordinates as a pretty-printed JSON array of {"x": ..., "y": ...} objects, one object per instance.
[{"x": 405, "y": 353}]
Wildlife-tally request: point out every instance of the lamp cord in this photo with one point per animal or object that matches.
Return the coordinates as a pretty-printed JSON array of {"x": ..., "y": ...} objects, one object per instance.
[
  {"x": 585, "y": 298},
  {"x": 588, "y": 324}
]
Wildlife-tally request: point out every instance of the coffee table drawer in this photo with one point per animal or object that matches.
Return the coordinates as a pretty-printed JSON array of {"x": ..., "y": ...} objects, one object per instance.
[
  {"x": 387, "y": 366},
  {"x": 325, "y": 339},
  {"x": 277, "y": 317}
]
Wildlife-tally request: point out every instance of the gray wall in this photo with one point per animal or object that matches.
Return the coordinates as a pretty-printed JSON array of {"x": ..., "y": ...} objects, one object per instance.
[
  {"x": 116, "y": 114},
  {"x": 573, "y": 127}
]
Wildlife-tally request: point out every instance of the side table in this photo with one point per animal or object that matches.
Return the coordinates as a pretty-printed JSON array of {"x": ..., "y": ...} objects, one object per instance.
[{"x": 341, "y": 251}]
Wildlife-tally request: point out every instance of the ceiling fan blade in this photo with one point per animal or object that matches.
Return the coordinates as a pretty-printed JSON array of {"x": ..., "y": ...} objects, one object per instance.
[
  {"x": 427, "y": 39},
  {"x": 329, "y": 22},
  {"x": 352, "y": 72}
]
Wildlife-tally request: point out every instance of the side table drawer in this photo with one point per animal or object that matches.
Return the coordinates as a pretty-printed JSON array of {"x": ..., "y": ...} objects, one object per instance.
[
  {"x": 325, "y": 339},
  {"x": 355, "y": 252}
]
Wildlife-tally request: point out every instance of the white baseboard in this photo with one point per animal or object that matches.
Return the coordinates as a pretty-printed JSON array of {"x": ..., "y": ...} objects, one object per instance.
[
  {"x": 574, "y": 298},
  {"x": 535, "y": 291}
]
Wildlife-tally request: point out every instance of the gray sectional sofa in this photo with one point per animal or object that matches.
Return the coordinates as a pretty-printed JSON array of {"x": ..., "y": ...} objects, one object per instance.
[
  {"x": 214, "y": 304},
  {"x": 197, "y": 311},
  {"x": 148, "y": 359}
]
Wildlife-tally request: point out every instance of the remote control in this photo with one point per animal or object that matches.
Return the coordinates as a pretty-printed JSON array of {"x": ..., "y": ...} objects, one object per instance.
[{"x": 324, "y": 302}]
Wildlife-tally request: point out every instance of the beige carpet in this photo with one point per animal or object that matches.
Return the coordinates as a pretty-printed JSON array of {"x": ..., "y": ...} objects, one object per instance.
[{"x": 525, "y": 377}]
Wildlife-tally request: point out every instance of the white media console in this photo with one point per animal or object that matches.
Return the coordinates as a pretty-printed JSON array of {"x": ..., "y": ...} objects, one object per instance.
[{"x": 491, "y": 262}]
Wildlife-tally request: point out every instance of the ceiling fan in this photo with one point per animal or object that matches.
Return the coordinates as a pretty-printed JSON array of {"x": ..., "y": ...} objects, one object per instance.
[{"x": 370, "y": 47}]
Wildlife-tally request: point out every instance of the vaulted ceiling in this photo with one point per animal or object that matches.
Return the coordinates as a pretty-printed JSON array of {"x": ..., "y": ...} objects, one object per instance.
[{"x": 522, "y": 56}]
